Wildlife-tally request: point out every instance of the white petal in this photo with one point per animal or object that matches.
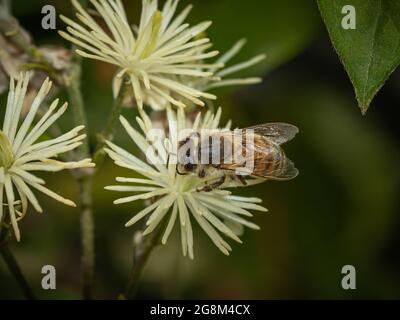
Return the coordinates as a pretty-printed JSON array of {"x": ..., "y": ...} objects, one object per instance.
[
  {"x": 10, "y": 199},
  {"x": 52, "y": 194},
  {"x": 142, "y": 196},
  {"x": 27, "y": 191},
  {"x": 171, "y": 224},
  {"x": 142, "y": 214}
]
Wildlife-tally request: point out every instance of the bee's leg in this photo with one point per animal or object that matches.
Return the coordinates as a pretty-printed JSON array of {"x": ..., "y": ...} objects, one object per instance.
[
  {"x": 218, "y": 183},
  {"x": 242, "y": 179},
  {"x": 214, "y": 185},
  {"x": 202, "y": 172}
]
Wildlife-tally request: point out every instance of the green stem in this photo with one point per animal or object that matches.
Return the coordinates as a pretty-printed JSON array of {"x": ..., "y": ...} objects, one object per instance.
[
  {"x": 84, "y": 178},
  {"x": 12, "y": 263},
  {"x": 109, "y": 129},
  {"x": 143, "y": 247},
  {"x": 87, "y": 235},
  {"x": 73, "y": 87}
]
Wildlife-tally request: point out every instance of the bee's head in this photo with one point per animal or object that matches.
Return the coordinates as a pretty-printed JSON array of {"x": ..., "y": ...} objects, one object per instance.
[{"x": 184, "y": 169}]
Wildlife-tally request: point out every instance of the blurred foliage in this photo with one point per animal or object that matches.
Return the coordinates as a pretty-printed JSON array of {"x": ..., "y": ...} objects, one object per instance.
[
  {"x": 370, "y": 52},
  {"x": 342, "y": 209},
  {"x": 279, "y": 28}
]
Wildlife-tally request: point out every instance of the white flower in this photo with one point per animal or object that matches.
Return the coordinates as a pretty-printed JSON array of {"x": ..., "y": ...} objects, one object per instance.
[
  {"x": 22, "y": 151},
  {"x": 176, "y": 197},
  {"x": 161, "y": 49},
  {"x": 218, "y": 77}
]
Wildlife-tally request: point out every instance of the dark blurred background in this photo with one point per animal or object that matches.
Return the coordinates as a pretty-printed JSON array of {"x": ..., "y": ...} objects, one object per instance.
[{"x": 342, "y": 209}]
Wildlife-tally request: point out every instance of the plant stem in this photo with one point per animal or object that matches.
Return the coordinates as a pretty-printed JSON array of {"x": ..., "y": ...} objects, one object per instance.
[
  {"x": 84, "y": 178},
  {"x": 12, "y": 263},
  {"x": 87, "y": 235},
  {"x": 73, "y": 87},
  {"x": 143, "y": 246},
  {"x": 109, "y": 129}
]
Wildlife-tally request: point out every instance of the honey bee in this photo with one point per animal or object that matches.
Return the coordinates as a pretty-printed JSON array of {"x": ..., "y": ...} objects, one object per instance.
[{"x": 259, "y": 146}]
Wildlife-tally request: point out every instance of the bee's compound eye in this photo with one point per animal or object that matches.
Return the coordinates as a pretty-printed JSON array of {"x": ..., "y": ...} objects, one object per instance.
[{"x": 189, "y": 167}]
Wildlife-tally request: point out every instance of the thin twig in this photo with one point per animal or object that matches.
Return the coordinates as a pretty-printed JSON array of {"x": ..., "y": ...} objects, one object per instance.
[
  {"x": 109, "y": 129},
  {"x": 73, "y": 87},
  {"x": 12, "y": 263},
  {"x": 84, "y": 177},
  {"x": 87, "y": 234},
  {"x": 142, "y": 248}
]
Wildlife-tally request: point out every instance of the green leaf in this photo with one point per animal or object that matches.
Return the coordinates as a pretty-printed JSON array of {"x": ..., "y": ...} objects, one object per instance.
[{"x": 371, "y": 52}]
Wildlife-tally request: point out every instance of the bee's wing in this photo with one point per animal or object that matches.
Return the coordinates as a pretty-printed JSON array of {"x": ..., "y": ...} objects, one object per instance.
[
  {"x": 287, "y": 172},
  {"x": 276, "y": 132},
  {"x": 270, "y": 162}
]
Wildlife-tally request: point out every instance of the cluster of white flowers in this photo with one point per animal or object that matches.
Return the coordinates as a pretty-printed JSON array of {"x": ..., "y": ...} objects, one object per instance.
[
  {"x": 163, "y": 57},
  {"x": 165, "y": 62},
  {"x": 23, "y": 151},
  {"x": 218, "y": 77},
  {"x": 214, "y": 211},
  {"x": 161, "y": 48}
]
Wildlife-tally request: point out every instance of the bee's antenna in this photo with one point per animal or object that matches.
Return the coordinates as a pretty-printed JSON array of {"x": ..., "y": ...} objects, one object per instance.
[
  {"x": 169, "y": 155},
  {"x": 168, "y": 160}
]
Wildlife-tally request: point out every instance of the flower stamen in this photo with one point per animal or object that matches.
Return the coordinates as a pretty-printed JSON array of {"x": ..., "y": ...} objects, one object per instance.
[
  {"x": 6, "y": 154},
  {"x": 156, "y": 24}
]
